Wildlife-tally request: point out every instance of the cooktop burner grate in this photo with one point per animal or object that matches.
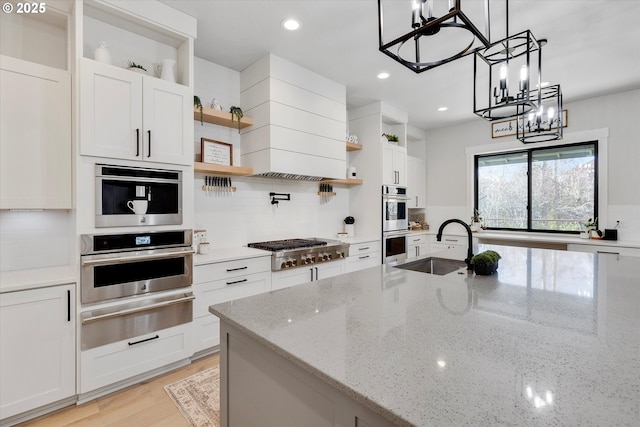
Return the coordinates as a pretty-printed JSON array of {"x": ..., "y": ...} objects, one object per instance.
[{"x": 287, "y": 244}]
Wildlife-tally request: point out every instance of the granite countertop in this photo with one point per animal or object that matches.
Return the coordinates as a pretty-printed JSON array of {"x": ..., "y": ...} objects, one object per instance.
[
  {"x": 552, "y": 339},
  {"x": 228, "y": 254}
]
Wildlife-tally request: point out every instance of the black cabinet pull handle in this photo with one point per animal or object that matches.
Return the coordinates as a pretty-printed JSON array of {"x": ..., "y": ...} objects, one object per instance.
[
  {"x": 236, "y": 269},
  {"x": 149, "y": 152},
  {"x": 237, "y": 281},
  {"x": 68, "y": 305},
  {"x": 138, "y": 142},
  {"x": 363, "y": 249},
  {"x": 316, "y": 273},
  {"x": 311, "y": 271},
  {"x": 145, "y": 340},
  {"x": 363, "y": 257}
]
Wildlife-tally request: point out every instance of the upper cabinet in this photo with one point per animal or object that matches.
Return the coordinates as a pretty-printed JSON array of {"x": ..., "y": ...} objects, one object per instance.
[
  {"x": 35, "y": 109},
  {"x": 126, "y": 115},
  {"x": 416, "y": 182},
  {"x": 394, "y": 164},
  {"x": 35, "y": 136},
  {"x": 129, "y": 113}
]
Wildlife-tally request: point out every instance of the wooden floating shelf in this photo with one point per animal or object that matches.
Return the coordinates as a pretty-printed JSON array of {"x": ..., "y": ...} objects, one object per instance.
[
  {"x": 221, "y": 169},
  {"x": 343, "y": 181},
  {"x": 353, "y": 147},
  {"x": 220, "y": 118}
]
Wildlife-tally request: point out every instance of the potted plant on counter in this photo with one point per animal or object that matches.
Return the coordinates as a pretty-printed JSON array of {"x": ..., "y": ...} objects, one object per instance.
[
  {"x": 485, "y": 263},
  {"x": 590, "y": 225}
]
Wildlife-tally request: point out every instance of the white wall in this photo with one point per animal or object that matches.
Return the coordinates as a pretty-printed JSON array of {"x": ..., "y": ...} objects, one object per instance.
[
  {"x": 247, "y": 215},
  {"x": 448, "y": 195},
  {"x": 35, "y": 239}
]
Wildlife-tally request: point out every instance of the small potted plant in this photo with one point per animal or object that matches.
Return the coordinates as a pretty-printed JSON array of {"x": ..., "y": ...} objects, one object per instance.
[
  {"x": 591, "y": 224},
  {"x": 476, "y": 221},
  {"x": 198, "y": 104},
  {"x": 485, "y": 263},
  {"x": 236, "y": 112},
  {"x": 136, "y": 67},
  {"x": 391, "y": 138}
]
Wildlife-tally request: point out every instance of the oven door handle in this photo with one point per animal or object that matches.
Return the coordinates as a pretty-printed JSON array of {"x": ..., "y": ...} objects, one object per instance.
[
  {"x": 138, "y": 309},
  {"x": 135, "y": 258}
]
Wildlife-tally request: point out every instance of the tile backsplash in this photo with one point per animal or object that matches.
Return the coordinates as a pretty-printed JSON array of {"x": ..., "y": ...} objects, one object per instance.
[{"x": 35, "y": 239}]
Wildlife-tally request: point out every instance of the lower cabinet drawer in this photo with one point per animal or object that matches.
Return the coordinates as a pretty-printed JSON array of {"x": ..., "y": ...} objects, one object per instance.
[
  {"x": 356, "y": 249},
  {"x": 219, "y": 291},
  {"x": 111, "y": 363},
  {"x": 360, "y": 262}
]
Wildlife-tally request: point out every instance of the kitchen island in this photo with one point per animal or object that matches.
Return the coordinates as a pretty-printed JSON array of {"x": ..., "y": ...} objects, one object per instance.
[{"x": 552, "y": 339}]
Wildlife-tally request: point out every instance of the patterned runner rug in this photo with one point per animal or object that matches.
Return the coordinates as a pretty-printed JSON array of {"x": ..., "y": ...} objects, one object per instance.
[{"x": 198, "y": 397}]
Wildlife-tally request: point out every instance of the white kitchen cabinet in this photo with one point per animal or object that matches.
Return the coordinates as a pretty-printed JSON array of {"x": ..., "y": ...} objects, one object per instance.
[
  {"x": 35, "y": 136},
  {"x": 119, "y": 361},
  {"x": 363, "y": 255},
  {"x": 221, "y": 282},
  {"x": 297, "y": 276},
  {"x": 416, "y": 182},
  {"x": 394, "y": 164},
  {"x": 37, "y": 348},
  {"x": 126, "y": 115},
  {"x": 417, "y": 245}
]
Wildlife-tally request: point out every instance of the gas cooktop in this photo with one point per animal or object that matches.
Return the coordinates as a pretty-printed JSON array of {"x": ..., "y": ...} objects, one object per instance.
[{"x": 292, "y": 253}]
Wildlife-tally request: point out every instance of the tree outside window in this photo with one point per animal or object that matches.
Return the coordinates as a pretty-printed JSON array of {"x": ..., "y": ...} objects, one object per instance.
[{"x": 540, "y": 189}]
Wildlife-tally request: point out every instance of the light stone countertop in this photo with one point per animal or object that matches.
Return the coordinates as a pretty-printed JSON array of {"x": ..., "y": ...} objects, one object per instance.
[
  {"x": 21, "y": 280},
  {"x": 228, "y": 254},
  {"x": 552, "y": 339}
]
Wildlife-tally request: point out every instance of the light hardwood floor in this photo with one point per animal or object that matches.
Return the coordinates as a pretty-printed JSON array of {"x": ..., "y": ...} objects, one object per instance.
[{"x": 142, "y": 405}]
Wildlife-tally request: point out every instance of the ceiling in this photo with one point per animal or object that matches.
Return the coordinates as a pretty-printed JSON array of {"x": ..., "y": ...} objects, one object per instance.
[{"x": 593, "y": 48}]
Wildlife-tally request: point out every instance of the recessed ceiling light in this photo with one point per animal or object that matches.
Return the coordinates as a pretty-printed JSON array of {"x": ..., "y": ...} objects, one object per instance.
[
  {"x": 383, "y": 76},
  {"x": 290, "y": 24},
  {"x": 443, "y": 108}
]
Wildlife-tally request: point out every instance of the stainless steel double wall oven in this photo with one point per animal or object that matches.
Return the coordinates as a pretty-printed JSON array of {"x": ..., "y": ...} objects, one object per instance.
[
  {"x": 148, "y": 274},
  {"x": 395, "y": 222}
]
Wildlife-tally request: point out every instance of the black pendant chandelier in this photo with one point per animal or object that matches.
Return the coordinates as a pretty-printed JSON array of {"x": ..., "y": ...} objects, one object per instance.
[
  {"x": 440, "y": 31},
  {"x": 545, "y": 122},
  {"x": 504, "y": 75}
]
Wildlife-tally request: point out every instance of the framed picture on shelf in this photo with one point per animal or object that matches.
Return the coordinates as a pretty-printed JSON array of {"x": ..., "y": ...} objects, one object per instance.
[{"x": 216, "y": 152}]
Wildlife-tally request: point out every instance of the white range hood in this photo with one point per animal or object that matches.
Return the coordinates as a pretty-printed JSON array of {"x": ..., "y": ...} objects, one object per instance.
[{"x": 299, "y": 121}]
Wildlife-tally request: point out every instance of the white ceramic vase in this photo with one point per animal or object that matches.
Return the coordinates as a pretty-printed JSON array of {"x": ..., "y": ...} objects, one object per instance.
[{"x": 101, "y": 53}]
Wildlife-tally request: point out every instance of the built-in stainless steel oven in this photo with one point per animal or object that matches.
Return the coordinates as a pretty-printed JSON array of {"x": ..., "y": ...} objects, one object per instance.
[
  {"x": 131, "y": 196},
  {"x": 394, "y": 247},
  {"x": 121, "y": 265},
  {"x": 134, "y": 284},
  {"x": 394, "y": 208}
]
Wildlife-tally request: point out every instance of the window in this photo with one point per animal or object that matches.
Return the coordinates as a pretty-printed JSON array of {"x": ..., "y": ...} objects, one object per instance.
[{"x": 540, "y": 189}]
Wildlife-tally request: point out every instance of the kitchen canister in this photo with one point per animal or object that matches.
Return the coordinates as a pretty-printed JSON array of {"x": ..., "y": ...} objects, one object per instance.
[{"x": 101, "y": 53}]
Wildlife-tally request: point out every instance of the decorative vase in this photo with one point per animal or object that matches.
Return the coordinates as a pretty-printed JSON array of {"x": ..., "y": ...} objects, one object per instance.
[
  {"x": 165, "y": 70},
  {"x": 216, "y": 105},
  {"x": 101, "y": 53},
  {"x": 485, "y": 269}
]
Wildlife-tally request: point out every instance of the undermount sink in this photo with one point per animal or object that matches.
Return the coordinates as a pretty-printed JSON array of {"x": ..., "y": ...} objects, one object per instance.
[{"x": 439, "y": 266}]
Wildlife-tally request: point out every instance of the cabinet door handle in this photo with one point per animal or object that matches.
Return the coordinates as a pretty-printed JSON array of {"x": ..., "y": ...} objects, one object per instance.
[
  {"x": 316, "y": 272},
  {"x": 363, "y": 249},
  {"x": 68, "y": 305},
  {"x": 237, "y": 281},
  {"x": 416, "y": 201},
  {"x": 149, "y": 152},
  {"x": 607, "y": 252},
  {"x": 145, "y": 340},
  {"x": 311, "y": 271},
  {"x": 364, "y": 257},
  {"x": 138, "y": 142},
  {"x": 451, "y": 240},
  {"x": 236, "y": 269}
]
